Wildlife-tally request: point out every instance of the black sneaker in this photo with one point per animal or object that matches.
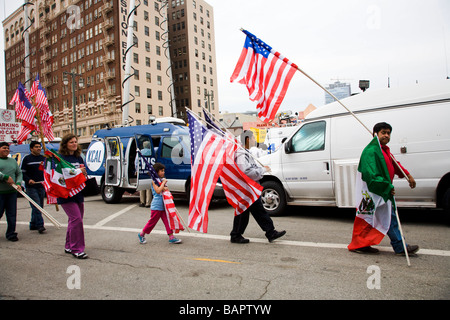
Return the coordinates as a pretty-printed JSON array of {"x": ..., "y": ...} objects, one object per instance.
[
  {"x": 367, "y": 250},
  {"x": 275, "y": 235},
  {"x": 412, "y": 249},
  {"x": 41, "y": 230},
  {"x": 239, "y": 239}
]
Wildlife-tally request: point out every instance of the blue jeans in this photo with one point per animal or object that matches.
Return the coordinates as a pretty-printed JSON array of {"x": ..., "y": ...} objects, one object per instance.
[
  {"x": 38, "y": 195},
  {"x": 394, "y": 234},
  {"x": 8, "y": 203}
]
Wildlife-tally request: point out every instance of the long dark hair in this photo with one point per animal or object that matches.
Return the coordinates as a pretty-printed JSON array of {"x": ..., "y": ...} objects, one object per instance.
[{"x": 63, "y": 145}]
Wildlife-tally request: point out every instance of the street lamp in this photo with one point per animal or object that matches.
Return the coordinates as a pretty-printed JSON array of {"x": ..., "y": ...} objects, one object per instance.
[{"x": 81, "y": 85}]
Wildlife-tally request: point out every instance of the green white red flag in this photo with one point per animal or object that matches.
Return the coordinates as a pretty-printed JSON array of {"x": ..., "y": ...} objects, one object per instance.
[
  {"x": 61, "y": 178},
  {"x": 374, "y": 202}
]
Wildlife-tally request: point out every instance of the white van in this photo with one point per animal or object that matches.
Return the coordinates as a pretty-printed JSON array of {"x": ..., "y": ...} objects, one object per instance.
[{"x": 316, "y": 165}]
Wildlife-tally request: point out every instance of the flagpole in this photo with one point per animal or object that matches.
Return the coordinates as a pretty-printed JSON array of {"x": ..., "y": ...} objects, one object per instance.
[
  {"x": 45, "y": 213},
  {"x": 181, "y": 218},
  {"x": 41, "y": 133},
  {"x": 401, "y": 234}
]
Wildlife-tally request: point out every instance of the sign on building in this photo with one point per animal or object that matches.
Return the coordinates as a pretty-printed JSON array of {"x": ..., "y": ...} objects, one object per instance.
[{"x": 9, "y": 128}]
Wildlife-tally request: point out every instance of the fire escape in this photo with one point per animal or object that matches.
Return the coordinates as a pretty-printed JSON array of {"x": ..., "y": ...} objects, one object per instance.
[{"x": 112, "y": 99}]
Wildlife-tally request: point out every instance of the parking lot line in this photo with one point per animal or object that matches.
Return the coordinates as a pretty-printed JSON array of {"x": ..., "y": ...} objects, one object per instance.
[
  {"x": 98, "y": 226},
  {"x": 115, "y": 215}
]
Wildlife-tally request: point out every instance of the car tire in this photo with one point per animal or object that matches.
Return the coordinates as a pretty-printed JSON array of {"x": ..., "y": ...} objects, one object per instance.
[
  {"x": 273, "y": 198},
  {"x": 446, "y": 205},
  {"x": 111, "y": 194}
]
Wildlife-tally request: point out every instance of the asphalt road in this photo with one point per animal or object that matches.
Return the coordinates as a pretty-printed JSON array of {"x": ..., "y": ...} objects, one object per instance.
[{"x": 310, "y": 262}]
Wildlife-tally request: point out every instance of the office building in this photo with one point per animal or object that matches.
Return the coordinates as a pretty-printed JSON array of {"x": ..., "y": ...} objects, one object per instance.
[{"x": 88, "y": 40}]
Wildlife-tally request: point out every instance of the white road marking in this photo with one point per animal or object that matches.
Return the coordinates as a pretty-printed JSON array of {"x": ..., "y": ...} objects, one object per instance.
[
  {"x": 100, "y": 226},
  {"x": 113, "y": 216}
]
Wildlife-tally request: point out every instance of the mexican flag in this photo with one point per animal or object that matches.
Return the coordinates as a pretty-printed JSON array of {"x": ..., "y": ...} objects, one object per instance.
[
  {"x": 61, "y": 178},
  {"x": 374, "y": 202}
]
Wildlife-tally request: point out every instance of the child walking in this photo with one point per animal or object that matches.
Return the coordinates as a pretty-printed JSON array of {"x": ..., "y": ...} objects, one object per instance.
[{"x": 157, "y": 208}]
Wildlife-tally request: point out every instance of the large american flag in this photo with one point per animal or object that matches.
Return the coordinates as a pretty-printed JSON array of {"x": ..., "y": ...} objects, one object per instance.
[
  {"x": 169, "y": 205},
  {"x": 207, "y": 159},
  {"x": 212, "y": 157},
  {"x": 266, "y": 73},
  {"x": 240, "y": 190}
]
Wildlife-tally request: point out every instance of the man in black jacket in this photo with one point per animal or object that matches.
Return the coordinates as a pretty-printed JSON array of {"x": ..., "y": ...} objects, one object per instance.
[{"x": 33, "y": 178}]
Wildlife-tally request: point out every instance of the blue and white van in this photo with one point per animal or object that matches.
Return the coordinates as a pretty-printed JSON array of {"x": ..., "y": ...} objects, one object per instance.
[{"x": 113, "y": 160}]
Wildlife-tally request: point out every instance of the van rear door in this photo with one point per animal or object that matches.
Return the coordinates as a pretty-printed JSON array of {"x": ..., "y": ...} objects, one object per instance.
[
  {"x": 145, "y": 144},
  {"x": 113, "y": 162},
  {"x": 306, "y": 163}
]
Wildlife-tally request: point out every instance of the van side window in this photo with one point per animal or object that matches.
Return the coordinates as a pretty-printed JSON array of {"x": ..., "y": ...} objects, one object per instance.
[
  {"x": 168, "y": 144},
  {"x": 311, "y": 137},
  {"x": 145, "y": 145}
]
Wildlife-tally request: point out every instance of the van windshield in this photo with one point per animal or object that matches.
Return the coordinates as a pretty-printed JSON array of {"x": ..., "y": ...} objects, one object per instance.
[{"x": 311, "y": 137}]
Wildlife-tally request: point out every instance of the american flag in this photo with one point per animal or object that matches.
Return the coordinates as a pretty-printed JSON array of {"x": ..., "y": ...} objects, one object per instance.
[
  {"x": 24, "y": 109},
  {"x": 42, "y": 104},
  {"x": 207, "y": 159},
  {"x": 169, "y": 205},
  {"x": 240, "y": 190},
  {"x": 266, "y": 73},
  {"x": 34, "y": 87},
  {"x": 25, "y": 130}
]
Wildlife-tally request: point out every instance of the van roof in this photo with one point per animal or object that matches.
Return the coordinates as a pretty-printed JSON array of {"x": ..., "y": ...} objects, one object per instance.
[
  {"x": 151, "y": 129},
  {"x": 389, "y": 97}
]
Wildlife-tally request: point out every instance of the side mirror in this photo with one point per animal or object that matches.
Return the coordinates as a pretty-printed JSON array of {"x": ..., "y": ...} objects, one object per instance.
[{"x": 287, "y": 145}]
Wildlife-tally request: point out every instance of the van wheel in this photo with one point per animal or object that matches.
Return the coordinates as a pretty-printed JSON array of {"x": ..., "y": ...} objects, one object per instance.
[
  {"x": 446, "y": 205},
  {"x": 273, "y": 198},
  {"x": 111, "y": 194}
]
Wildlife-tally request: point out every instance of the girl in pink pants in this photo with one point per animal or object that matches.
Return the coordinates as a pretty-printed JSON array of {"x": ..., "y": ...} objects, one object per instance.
[{"x": 157, "y": 208}]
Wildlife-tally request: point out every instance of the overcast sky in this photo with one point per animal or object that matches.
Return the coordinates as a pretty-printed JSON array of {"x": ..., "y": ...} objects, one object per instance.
[{"x": 349, "y": 40}]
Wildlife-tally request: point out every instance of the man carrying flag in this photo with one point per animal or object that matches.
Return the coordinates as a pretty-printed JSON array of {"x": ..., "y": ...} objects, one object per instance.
[
  {"x": 376, "y": 208},
  {"x": 235, "y": 169},
  {"x": 249, "y": 168}
]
